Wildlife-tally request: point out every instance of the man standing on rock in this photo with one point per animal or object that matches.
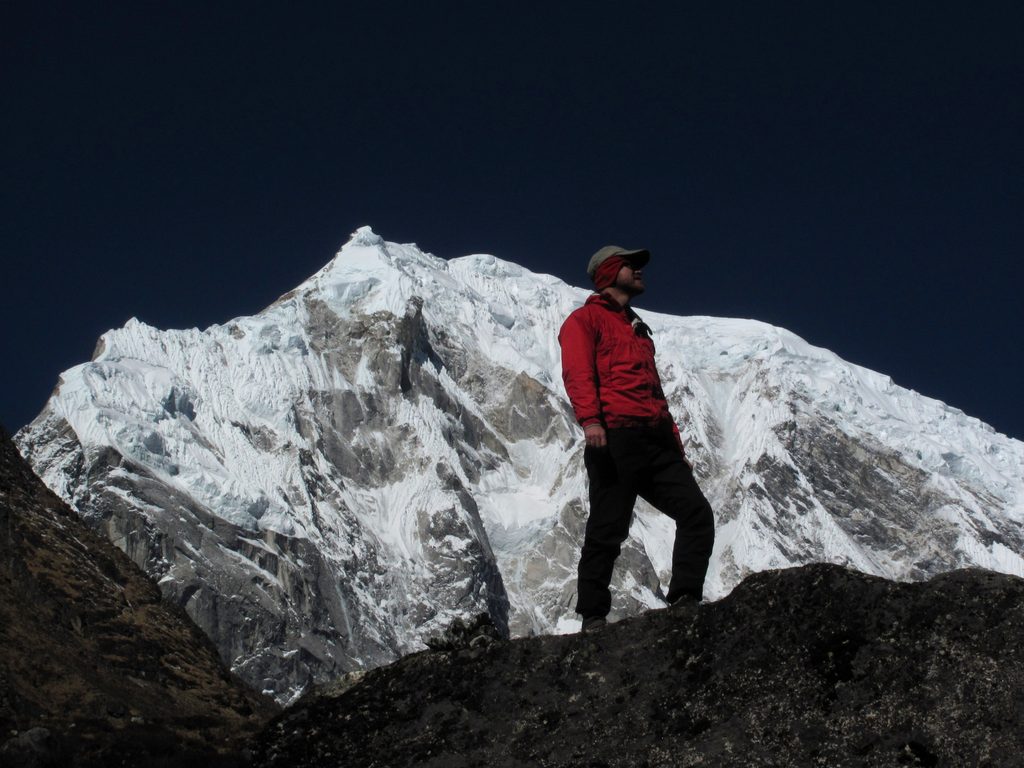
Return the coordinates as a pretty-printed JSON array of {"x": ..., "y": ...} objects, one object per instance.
[{"x": 633, "y": 445}]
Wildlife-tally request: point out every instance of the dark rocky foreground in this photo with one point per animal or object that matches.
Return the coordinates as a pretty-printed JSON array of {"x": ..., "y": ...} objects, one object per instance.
[
  {"x": 814, "y": 666},
  {"x": 95, "y": 668}
]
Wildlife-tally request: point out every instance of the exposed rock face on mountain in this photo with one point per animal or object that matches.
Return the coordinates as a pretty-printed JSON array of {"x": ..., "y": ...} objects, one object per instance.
[
  {"x": 388, "y": 447},
  {"x": 95, "y": 668},
  {"x": 810, "y": 666}
]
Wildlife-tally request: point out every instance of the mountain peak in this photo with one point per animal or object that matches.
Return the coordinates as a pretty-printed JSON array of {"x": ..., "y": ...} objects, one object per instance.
[
  {"x": 365, "y": 236},
  {"x": 389, "y": 446}
]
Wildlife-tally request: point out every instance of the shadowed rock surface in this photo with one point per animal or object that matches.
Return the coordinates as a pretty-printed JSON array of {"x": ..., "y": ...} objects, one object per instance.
[
  {"x": 95, "y": 668},
  {"x": 812, "y": 666}
]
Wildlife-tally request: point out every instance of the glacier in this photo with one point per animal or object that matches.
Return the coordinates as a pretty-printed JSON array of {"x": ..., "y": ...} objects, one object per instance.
[{"x": 388, "y": 447}]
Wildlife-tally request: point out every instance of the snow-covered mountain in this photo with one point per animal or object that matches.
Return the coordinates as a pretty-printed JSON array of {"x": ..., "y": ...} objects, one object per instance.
[{"x": 389, "y": 446}]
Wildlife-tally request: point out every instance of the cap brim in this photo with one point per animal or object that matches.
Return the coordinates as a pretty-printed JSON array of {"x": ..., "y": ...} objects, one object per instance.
[{"x": 638, "y": 258}]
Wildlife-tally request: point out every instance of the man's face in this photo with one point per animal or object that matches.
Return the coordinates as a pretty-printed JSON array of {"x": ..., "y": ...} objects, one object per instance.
[{"x": 630, "y": 280}]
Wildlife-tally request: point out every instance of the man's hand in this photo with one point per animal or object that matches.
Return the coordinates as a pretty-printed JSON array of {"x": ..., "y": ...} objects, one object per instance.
[{"x": 595, "y": 436}]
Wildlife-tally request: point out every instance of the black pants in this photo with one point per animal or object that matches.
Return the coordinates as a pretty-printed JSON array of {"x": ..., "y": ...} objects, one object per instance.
[{"x": 645, "y": 462}]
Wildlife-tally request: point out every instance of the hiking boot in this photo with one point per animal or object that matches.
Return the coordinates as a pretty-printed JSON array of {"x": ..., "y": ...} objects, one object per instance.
[
  {"x": 684, "y": 600},
  {"x": 593, "y": 624}
]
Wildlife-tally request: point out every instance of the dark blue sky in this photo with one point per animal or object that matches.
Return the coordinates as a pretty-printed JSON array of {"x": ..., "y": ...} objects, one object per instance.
[{"x": 853, "y": 172}]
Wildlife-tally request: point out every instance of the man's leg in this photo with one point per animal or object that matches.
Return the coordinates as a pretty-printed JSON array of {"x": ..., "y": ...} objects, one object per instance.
[
  {"x": 611, "y": 508},
  {"x": 671, "y": 488}
]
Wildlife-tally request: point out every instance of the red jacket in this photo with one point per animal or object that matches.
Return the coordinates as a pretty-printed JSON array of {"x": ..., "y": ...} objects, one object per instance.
[{"x": 608, "y": 368}]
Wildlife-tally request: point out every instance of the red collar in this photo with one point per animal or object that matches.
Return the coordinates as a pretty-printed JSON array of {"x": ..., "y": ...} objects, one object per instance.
[{"x": 600, "y": 298}]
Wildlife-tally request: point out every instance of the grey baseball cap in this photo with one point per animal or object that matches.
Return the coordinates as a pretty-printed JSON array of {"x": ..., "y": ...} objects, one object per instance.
[{"x": 638, "y": 257}]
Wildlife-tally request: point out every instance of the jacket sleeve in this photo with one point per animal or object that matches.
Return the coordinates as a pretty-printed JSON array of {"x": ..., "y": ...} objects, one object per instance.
[{"x": 579, "y": 369}]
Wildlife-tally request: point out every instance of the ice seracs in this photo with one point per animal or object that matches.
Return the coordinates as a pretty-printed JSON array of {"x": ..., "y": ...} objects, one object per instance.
[{"x": 388, "y": 446}]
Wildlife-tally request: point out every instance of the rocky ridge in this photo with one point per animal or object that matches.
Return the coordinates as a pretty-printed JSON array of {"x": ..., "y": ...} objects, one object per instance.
[
  {"x": 812, "y": 666},
  {"x": 96, "y": 668}
]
